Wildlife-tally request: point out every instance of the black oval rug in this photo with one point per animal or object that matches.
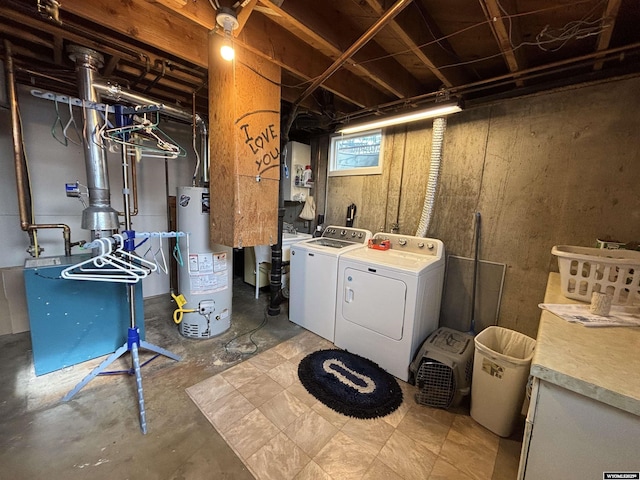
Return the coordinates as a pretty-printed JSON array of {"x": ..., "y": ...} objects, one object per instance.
[{"x": 350, "y": 384}]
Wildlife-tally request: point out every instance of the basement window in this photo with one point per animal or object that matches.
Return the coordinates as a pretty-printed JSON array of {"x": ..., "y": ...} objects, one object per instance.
[{"x": 356, "y": 154}]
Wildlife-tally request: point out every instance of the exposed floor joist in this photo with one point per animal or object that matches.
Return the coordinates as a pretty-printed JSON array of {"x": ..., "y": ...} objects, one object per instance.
[{"x": 604, "y": 39}]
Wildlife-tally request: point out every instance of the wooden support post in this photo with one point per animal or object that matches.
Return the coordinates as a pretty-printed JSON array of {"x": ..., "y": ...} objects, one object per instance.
[{"x": 244, "y": 123}]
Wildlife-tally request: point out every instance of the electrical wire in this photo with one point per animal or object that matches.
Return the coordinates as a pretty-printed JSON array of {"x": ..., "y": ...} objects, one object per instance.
[
  {"x": 251, "y": 332},
  {"x": 471, "y": 27},
  {"x": 517, "y": 47},
  {"x": 577, "y": 29},
  {"x": 426, "y": 23},
  {"x": 298, "y": 86}
]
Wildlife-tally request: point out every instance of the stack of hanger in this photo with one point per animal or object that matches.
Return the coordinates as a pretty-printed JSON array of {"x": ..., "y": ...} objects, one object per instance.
[
  {"x": 111, "y": 265},
  {"x": 144, "y": 135}
]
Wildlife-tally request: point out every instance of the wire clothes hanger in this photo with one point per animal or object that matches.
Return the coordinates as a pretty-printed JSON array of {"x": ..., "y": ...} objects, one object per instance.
[
  {"x": 57, "y": 121},
  {"x": 177, "y": 254},
  {"x": 133, "y": 257},
  {"x": 159, "y": 259},
  {"x": 72, "y": 122},
  {"x": 146, "y": 137},
  {"x": 64, "y": 136}
]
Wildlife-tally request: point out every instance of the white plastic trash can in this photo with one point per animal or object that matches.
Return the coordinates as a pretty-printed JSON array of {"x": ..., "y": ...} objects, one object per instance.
[{"x": 501, "y": 364}]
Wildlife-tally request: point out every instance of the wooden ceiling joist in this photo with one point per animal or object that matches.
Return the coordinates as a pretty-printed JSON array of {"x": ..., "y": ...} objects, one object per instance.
[
  {"x": 243, "y": 15},
  {"x": 306, "y": 25},
  {"x": 157, "y": 26},
  {"x": 163, "y": 45},
  {"x": 414, "y": 46},
  {"x": 503, "y": 34},
  {"x": 151, "y": 25},
  {"x": 282, "y": 47},
  {"x": 604, "y": 39}
]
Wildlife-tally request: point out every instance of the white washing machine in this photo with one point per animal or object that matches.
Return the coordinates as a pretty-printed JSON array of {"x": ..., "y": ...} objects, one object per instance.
[
  {"x": 389, "y": 300},
  {"x": 314, "y": 276}
]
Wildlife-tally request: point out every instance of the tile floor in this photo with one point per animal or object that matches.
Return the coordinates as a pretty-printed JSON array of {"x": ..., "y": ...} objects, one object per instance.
[{"x": 281, "y": 432}]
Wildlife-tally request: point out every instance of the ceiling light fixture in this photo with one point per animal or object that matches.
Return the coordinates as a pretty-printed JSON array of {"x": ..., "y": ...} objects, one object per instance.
[
  {"x": 435, "y": 110},
  {"x": 226, "y": 18}
]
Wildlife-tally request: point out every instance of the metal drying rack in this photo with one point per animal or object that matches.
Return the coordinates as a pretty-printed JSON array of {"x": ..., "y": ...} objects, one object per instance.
[{"x": 105, "y": 262}]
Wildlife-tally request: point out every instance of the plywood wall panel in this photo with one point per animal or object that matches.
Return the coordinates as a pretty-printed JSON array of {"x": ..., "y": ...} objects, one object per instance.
[
  {"x": 254, "y": 218},
  {"x": 244, "y": 116}
]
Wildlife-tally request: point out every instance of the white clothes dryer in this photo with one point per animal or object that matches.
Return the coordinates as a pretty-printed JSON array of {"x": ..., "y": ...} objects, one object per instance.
[
  {"x": 314, "y": 276},
  {"x": 389, "y": 300}
]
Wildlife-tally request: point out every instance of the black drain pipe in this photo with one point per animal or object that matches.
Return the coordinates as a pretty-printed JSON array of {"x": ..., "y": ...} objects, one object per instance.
[
  {"x": 277, "y": 294},
  {"x": 275, "y": 279}
]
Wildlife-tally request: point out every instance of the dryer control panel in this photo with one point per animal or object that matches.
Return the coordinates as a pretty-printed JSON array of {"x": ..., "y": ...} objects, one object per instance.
[
  {"x": 347, "y": 234},
  {"x": 409, "y": 243}
]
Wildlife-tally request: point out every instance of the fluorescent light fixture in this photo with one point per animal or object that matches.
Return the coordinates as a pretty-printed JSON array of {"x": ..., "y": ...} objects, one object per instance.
[
  {"x": 226, "y": 18},
  {"x": 435, "y": 110}
]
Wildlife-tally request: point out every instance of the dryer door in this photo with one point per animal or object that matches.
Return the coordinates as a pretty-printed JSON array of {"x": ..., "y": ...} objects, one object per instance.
[{"x": 375, "y": 302}]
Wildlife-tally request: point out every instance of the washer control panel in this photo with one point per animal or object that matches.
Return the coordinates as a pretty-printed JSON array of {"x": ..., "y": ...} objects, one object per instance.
[
  {"x": 409, "y": 243},
  {"x": 347, "y": 234}
]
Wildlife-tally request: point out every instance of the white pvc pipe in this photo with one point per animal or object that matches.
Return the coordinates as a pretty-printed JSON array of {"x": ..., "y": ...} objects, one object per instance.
[{"x": 437, "y": 139}]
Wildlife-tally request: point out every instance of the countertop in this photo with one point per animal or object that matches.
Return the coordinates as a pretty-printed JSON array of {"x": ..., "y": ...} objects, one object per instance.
[{"x": 602, "y": 363}]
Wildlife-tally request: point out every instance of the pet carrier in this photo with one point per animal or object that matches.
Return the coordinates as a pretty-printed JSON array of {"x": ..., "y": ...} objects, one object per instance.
[{"x": 443, "y": 368}]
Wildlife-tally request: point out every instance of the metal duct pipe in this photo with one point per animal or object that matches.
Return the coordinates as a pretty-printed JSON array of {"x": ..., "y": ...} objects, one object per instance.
[
  {"x": 98, "y": 217},
  {"x": 22, "y": 184},
  {"x": 115, "y": 92}
]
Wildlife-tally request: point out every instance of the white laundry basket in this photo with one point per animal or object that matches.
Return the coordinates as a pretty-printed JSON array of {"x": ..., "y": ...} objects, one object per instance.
[
  {"x": 584, "y": 270},
  {"x": 501, "y": 366}
]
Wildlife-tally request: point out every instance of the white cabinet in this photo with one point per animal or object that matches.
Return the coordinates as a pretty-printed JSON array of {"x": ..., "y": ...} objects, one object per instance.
[
  {"x": 584, "y": 416},
  {"x": 568, "y": 435},
  {"x": 298, "y": 157}
]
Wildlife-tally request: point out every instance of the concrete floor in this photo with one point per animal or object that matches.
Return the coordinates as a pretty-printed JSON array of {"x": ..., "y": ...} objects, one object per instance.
[{"x": 97, "y": 434}]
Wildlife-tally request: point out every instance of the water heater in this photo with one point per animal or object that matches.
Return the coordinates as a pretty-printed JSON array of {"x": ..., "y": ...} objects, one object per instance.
[{"x": 205, "y": 277}]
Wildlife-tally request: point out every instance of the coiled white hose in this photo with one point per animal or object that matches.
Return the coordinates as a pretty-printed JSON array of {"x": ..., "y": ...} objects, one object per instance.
[{"x": 437, "y": 139}]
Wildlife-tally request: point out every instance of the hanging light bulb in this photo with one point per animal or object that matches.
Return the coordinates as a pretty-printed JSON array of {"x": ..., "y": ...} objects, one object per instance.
[
  {"x": 226, "y": 50},
  {"x": 226, "y": 18}
]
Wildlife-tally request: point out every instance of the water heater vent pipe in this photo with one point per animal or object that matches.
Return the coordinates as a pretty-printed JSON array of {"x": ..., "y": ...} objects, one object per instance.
[{"x": 99, "y": 216}]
